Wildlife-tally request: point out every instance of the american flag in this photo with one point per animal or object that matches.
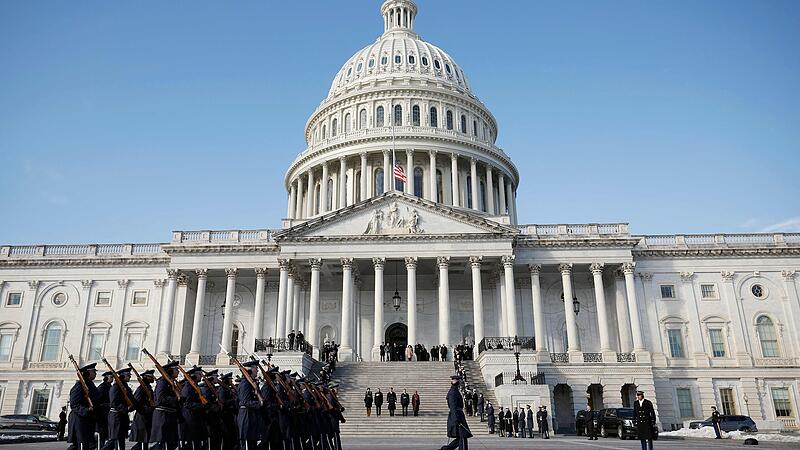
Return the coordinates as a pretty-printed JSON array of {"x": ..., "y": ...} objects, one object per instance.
[{"x": 399, "y": 175}]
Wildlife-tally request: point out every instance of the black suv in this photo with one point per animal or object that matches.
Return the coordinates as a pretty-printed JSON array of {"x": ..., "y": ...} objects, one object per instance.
[
  {"x": 619, "y": 421},
  {"x": 581, "y": 424},
  {"x": 729, "y": 423},
  {"x": 27, "y": 423}
]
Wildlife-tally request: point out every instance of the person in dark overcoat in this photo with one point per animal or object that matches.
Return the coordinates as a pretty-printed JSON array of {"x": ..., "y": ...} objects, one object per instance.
[
  {"x": 480, "y": 406},
  {"x": 143, "y": 418},
  {"x": 521, "y": 423},
  {"x": 230, "y": 407},
  {"x": 62, "y": 424},
  {"x": 81, "y": 424},
  {"x": 285, "y": 414},
  {"x": 164, "y": 431},
  {"x": 193, "y": 413},
  {"x": 544, "y": 425},
  {"x": 529, "y": 421},
  {"x": 443, "y": 352},
  {"x": 457, "y": 427},
  {"x": 336, "y": 417},
  {"x": 378, "y": 402},
  {"x": 101, "y": 407},
  {"x": 515, "y": 421},
  {"x": 468, "y": 402},
  {"x": 270, "y": 427},
  {"x": 213, "y": 411},
  {"x": 490, "y": 417},
  {"x": 509, "y": 423},
  {"x": 644, "y": 416},
  {"x": 383, "y": 352},
  {"x": 716, "y": 419},
  {"x": 415, "y": 403},
  {"x": 405, "y": 400},
  {"x": 118, "y": 418},
  {"x": 249, "y": 417},
  {"x": 391, "y": 400},
  {"x": 368, "y": 401}
]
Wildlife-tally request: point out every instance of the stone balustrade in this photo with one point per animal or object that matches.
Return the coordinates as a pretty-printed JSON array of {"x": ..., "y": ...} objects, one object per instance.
[
  {"x": 84, "y": 250},
  {"x": 222, "y": 236},
  {"x": 680, "y": 241},
  {"x": 563, "y": 230}
]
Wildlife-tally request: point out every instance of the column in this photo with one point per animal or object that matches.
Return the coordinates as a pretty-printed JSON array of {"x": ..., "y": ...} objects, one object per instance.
[
  {"x": 538, "y": 308},
  {"x": 165, "y": 334},
  {"x": 345, "y": 350},
  {"x": 443, "y": 262},
  {"x": 501, "y": 283},
  {"x": 501, "y": 189},
  {"x": 633, "y": 308},
  {"x": 623, "y": 321},
  {"x": 572, "y": 325},
  {"x": 258, "y": 311},
  {"x": 409, "y": 172},
  {"x": 298, "y": 298},
  {"x": 510, "y": 200},
  {"x": 489, "y": 190},
  {"x": 363, "y": 184},
  {"x": 378, "y": 264},
  {"x": 342, "y": 182},
  {"x": 310, "y": 194},
  {"x": 511, "y": 304},
  {"x": 600, "y": 301},
  {"x": 227, "y": 323},
  {"x": 292, "y": 202},
  {"x": 433, "y": 188},
  {"x": 738, "y": 326},
  {"x": 199, "y": 309},
  {"x": 323, "y": 189},
  {"x": 298, "y": 212},
  {"x": 387, "y": 172},
  {"x": 283, "y": 288},
  {"x": 791, "y": 302},
  {"x": 313, "y": 307},
  {"x": 411, "y": 270},
  {"x": 291, "y": 286},
  {"x": 454, "y": 178},
  {"x": 477, "y": 298},
  {"x": 473, "y": 174}
]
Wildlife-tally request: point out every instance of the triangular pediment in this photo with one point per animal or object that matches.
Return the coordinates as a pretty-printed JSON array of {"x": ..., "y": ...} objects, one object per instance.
[{"x": 396, "y": 214}]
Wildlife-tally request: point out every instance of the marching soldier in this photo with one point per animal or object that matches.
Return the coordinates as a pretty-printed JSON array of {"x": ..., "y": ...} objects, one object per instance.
[
  {"x": 143, "y": 419},
  {"x": 230, "y": 406},
  {"x": 270, "y": 429},
  {"x": 457, "y": 427},
  {"x": 249, "y": 416},
  {"x": 336, "y": 417},
  {"x": 81, "y": 422},
  {"x": 164, "y": 431},
  {"x": 214, "y": 425},
  {"x": 193, "y": 412},
  {"x": 118, "y": 418},
  {"x": 102, "y": 406}
]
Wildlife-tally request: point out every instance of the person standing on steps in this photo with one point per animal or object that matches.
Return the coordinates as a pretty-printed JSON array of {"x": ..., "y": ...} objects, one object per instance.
[
  {"x": 443, "y": 352},
  {"x": 405, "y": 399},
  {"x": 415, "y": 403},
  {"x": 391, "y": 399},
  {"x": 457, "y": 427},
  {"x": 409, "y": 353},
  {"x": 490, "y": 416},
  {"x": 480, "y": 403},
  {"x": 290, "y": 341},
  {"x": 383, "y": 353},
  {"x": 378, "y": 402},
  {"x": 715, "y": 421},
  {"x": 529, "y": 421},
  {"x": 368, "y": 402},
  {"x": 644, "y": 417}
]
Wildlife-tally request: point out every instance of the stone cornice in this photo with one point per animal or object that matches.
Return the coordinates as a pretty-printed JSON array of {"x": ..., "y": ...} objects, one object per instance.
[
  {"x": 221, "y": 249},
  {"x": 526, "y": 242},
  {"x": 84, "y": 262},
  {"x": 466, "y": 237},
  {"x": 718, "y": 252}
]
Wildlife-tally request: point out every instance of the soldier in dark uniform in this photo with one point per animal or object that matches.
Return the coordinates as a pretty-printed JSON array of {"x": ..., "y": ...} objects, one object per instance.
[
  {"x": 457, "y": 427},
  {"x": 405, "y": 399},
  {"x": 193, "y": 412},
  {"x": 508, "y": 423},
  {"x": 336, "y": 417},
  {"x": 515, "y": 421},
  {"x": 164, "y": 431},
  {"x": 645, "y": 418},
  {"x": 102, "y": 406},
  {"x": 391, "y": 400},
  {"x": 230, "y": 406},
  {"x": 213, "y": 412},
  {"x": 118, "y": 418},
  {"x": 270, "y": 428},
  {"x": 81, "y": 424},
  {"x": 249, "y": 417},
  {"x": 544, "y": 425},
  {"x": 143, "y": 419},
  {"x": 715, "y": 421},
  {"x": 378, "y": 402}
]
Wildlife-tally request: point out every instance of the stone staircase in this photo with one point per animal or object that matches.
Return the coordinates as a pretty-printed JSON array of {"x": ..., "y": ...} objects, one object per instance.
[
  {"x": 430, "y": 379},
  {"x": 475, "y": 379}
]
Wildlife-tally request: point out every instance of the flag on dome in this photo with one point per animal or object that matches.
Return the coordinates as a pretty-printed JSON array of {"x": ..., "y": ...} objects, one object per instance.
[{"x": 399, "y": 174}]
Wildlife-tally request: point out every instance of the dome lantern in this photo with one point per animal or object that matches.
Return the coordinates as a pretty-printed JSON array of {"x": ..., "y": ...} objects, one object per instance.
[{"x": 398, "y": 15}]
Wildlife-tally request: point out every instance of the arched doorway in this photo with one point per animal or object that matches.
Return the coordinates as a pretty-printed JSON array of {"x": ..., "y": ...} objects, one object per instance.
[
  {"x": 397, "y": 339},
  {"x": 564, "y": 414},
  {"x": 628, "y": 393},
  {"x": 594, "y": 395}
]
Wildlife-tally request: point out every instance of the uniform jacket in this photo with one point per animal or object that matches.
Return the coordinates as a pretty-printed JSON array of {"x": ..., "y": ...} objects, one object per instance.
[
  {"x": 143, "y": 419},
  {"x": 405, "y": 399},
  {"x": 194, "y": 415},
  {"x": 491, "y": 418},
  {"x": 456, "y": 421},
  {"x": 81, "y": 424},
  {"x": 529, "y": 419},
  {"x": 165, "y": 416},
  {"x": 118, "y": 418},
  {"x": 391, "y": 399},
  {"x": 645, "y": 418},
  {"x": 378, "y": 399},
  {"x": 249, "y": 417}
]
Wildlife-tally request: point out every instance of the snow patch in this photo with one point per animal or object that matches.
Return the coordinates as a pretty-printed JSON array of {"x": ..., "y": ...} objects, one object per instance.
[{"x": 708, "y": 433}]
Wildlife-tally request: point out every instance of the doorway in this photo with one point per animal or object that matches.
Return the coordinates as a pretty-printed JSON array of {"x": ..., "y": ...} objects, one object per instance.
[{"x": 397, "y": 339}]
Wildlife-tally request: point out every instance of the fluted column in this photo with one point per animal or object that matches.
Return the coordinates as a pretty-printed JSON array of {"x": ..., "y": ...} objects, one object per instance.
[
  {"x": 342, "y": 182},
  {"x": 291, "y": 286},
  {"x": 511, "y": 303},
  {"x": 323, "y": 189},
  {"x": 409, "y": 186},
  {"x": 454, "y": 179},
  {"x": 313, "y": 306},
  {"x": 501, "y": 189},
  {"x": 623, "y": 318},
  {"x": 477, "y": 298},
  {"x": 633, "y": 308},
  {"x": 345, "y": 349},
  {"x": 510, "y": 199},
  {"x": 387, "y": 172},
  {"x": 227, "y": 323},
  {"x": 600, "y": 300},
  {"x": 489, "y": 190},
  {"x": 283, "y": 289},
  {"x": 363, "y": 182},
  {"x": 501, "y": 287},
  {"x": 538, "y": 308},
  {"x": 258, "y": 311},
  {"x": 443, "y": 262},
  {"x": 298, "y": 214},
  {"x": 292, "y": 201},
  {"x": 411, "y": 270},
  {"x": 310, "y": 190},
  {"x": 165, "y": 336},
  {"x": 377, "y": 336},
  {"x": 473, "y": 173},
  {"x": 199, "y": 309},
  {"x": 298, "y": 298},
  {"x": 432, "y": 185},
  {"x": 572, "y": 325}
]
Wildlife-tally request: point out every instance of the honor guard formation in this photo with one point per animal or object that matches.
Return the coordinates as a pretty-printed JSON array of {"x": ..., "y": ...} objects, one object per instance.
[{"x": 262, "y": 407}]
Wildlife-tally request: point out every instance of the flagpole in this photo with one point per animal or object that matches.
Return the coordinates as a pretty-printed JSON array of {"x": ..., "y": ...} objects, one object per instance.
[{"x": 394, "y": 161}]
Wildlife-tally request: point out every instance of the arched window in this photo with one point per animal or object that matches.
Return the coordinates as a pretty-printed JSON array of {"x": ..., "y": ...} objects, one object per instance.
[
  {"x": 439, "y": 186},
  {"x": 378, "y": 182},
  {"x": 398, "y": 115},
  {"x": 379, "y": 116},
  {"x": 334, "y": 126},
  {"x": 469, "y": 191},
  {"x": 347, "y": 123},
  {"x": 768, "y": 338},
  {"x": 324, "y": 134},
  {"x": 418, "y": 181},
  {"x": 52, "y": 342},
  {"x": 449, "y": 120},
  {"x": 434, "y": 118},
  {"x": 329, "y": 200},
  {"x": 475, "y": 128},
  {"x": 415, "y": 116},
  {"x": 464, "y": 124},
  {"x": 482, "y": 196},
  {"x": 362, "y": 119}
]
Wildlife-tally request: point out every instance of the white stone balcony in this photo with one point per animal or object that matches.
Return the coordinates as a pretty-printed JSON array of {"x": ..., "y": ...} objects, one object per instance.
[
  {"x": 80, "y": 251},
  {"x": 568, "y": 230},
  {"x": 222, "y": 236},
  {"x": 738, "y": 240}
]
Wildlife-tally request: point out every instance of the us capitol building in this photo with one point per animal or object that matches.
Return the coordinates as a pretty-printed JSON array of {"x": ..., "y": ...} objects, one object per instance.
[{"x": 693, "y": 320}]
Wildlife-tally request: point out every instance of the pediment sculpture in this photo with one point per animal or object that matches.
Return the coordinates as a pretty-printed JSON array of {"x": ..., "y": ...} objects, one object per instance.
[{"x": 393, "y": 221}]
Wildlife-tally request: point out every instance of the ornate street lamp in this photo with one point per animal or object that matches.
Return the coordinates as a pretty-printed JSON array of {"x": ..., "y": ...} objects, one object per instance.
[
  {"x": 576, "y": 305},
  {"x": 396, "y": 299},
  {"x": 270, "y": 348},
  {"x": 517, "y": 349}
]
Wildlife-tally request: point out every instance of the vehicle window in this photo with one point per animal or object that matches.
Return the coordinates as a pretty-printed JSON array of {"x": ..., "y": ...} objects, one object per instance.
[{"x": 625, "y": 413}]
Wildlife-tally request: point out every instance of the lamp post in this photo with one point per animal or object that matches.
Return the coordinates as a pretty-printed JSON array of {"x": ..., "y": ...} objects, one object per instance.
[
  {"x": 517, "y": 349},
  {"x": 396, "y": 299},
  {"x": 270, "y": 348}
]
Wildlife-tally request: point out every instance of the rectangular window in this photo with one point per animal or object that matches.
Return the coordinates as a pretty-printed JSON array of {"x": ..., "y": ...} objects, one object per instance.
[
  {"x": 134, "y": 347},
  {"x": 685, "y": 405},
  {"x": 5, "y": 346},
  {"x": 14, "y": 299},
  {"x": 708, "y": 291},
  {"x": 780, "y": 400},
  {"x": 728, "y": 401},
  {"x": 103, "y": 298},
  {"x": 675, "y": 343},
  {"x": 96, "y": 341},
  {"x": 41, "y": 397},
  {"x": 717, "y": 343},
  {"x": 139, "y": 298},
  {"x": 667, "y": 291}
]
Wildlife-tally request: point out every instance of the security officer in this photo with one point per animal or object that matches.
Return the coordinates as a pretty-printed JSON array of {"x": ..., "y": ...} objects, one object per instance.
[
  {"x": 102, "y": 406},
  {"x": 82, "y": 418},
  {"x": 644, "y": 416},
  {"x": 249, "y": 416},
  {"x": 118, "y": 418},
  {"x": 164, "y": 431},
  {"x": 193, "y": 413},
  {"x": 457, "y": 427},
  {"x": 143, "y": 419},
  {"x": 716, "y": 418},
  {"x": 230, "y": 406}
]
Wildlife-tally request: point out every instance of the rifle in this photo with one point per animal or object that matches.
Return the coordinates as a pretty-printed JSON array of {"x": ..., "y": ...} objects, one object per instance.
[
  {"x": 144, "y": 386},
  {"x": 319, "y": 395},
  {"x": 83, "y": 382},
  {"x": 119, "y": 384},
  {"x": 245, "y": 374},
  {"x": 203, "y": 399},
  {"x": 268, "y": 381},
  {"x": 164, "y": 374},
  {"x": 213, "y": 389}
]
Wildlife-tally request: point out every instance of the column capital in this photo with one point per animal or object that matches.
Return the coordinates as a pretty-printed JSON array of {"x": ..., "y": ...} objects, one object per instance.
[
  {"x": 508, "y": 260},
  {"x": 324, "y": 164},
  {"x": 409, "y": 151},
  {"x": 86, "y": 284},
  {"x": 363, "y": 155},
  {"x": 646, "y": 276},
  {"x": 386, "y": 152},
  {"x": 475, "y": 261},
  {"x": 201, "y": 273},
  {"x": 788, "y": 275},
  {"x": 618, "y": 273},
  {"x": 454, "y": 156},
  {"x": 565, "y": 268},
  {"x": 443, "y": 262},
  {"x": 231, "y": 272},
  {"x": 316, "y": 263},
  {"x": 534, "y": 268},
  {"x": 183, "y": 279},
  {"x": 726, "y": 275},
  {"x": 261, "y": 272},
  {"x": 379, "y": 263},
  {"x": 432, "y": 153},
  {"x": 596, "y": 268},
  {"x": 123, "y": 283},
  {"x": 284, "y": 263},
  {"x": 686, "y": 277},
  {"x": 172, "y": 274},
  {"x": 159, "y": 283},
  {"x": 411, "y": 262},
  {"x": 347, "y": 263},
  {"x": 628, "y": 267}
]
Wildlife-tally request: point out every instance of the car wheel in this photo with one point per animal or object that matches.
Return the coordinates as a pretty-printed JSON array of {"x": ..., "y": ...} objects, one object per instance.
[
  {"x": 603, "y": 431},
  {"x": 620, "y": 433}
]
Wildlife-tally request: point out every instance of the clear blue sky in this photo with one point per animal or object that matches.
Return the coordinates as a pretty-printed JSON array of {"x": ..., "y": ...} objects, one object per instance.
[{"x": 121, "y": 121}]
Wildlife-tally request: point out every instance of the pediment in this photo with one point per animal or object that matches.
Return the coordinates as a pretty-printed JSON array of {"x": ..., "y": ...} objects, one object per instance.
[{"x": 397, "y": 215}]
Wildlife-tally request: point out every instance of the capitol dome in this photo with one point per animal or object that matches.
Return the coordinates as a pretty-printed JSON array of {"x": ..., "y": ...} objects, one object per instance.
[{"x": 401, "y": 107}]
